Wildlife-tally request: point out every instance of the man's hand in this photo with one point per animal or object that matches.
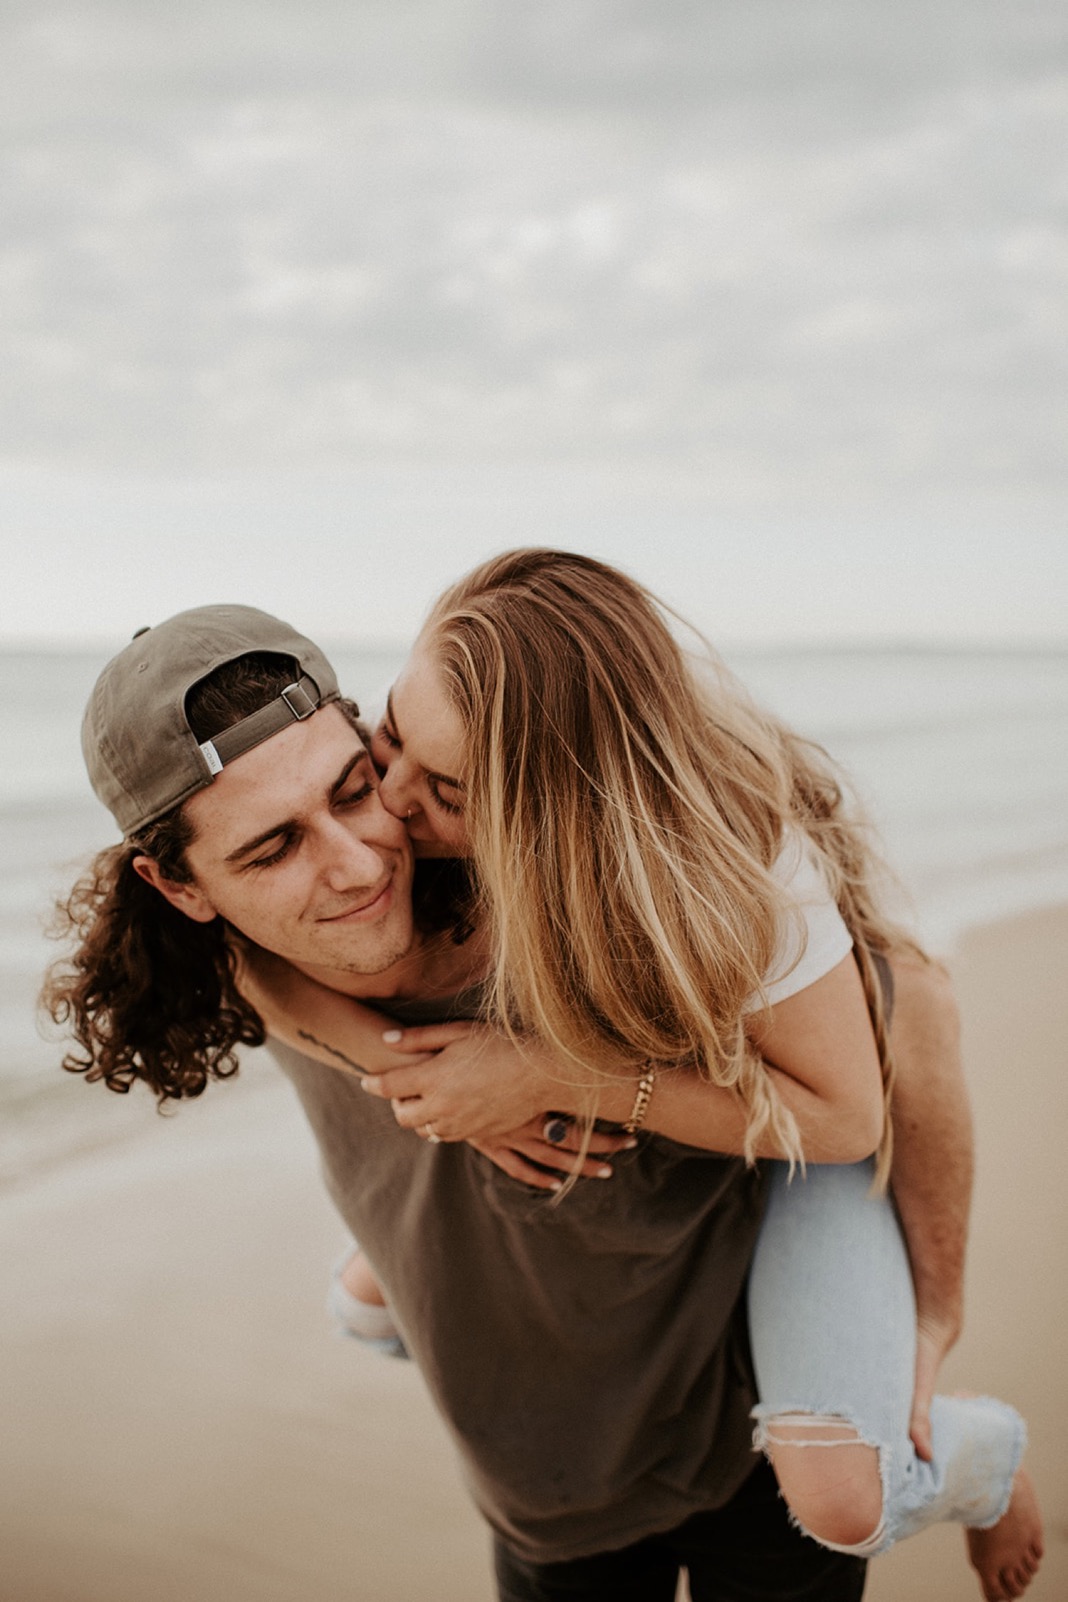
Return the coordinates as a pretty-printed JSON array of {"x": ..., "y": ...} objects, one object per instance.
[{"x": 934, "y": 1337}]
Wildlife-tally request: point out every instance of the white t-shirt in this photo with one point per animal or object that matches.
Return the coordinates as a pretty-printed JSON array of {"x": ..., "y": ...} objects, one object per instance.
[{"x": 813, "y": 937}]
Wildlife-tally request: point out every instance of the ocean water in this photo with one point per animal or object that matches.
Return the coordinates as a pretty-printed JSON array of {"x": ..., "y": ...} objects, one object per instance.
[{"x": 960, "y": 755}]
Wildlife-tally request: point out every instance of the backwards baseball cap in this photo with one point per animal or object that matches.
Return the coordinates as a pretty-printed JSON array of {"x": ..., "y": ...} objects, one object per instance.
[{"x": 142, "y": 756}]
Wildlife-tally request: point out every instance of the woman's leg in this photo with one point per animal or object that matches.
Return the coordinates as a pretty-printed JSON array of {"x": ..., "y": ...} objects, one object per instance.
[
  {"x": 356, "y": 1302},
  {"x": 833, "y": 1328}
]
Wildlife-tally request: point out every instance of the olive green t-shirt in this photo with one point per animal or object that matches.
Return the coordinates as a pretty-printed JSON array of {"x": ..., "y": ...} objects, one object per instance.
[{"x": 588, "y": 1355}]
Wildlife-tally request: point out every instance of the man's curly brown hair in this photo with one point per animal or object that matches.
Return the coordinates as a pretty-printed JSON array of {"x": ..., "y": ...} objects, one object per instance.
[{"x": 148, "y": 993}]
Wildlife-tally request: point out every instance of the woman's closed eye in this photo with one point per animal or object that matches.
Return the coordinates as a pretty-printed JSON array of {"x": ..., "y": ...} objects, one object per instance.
[
  {"x": 443, "y": 791},
  {"x": 435, "y": 786}
]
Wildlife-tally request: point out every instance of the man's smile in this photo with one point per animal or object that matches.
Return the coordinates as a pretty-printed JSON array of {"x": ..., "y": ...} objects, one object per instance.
[{"x": 364, "y": 911}]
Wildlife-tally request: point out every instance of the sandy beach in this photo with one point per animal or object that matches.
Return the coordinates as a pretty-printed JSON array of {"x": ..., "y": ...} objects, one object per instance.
[{"x": 179, "y": 1421}]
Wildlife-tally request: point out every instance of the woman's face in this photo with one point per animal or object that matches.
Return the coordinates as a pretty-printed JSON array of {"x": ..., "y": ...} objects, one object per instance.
[{"x": 418, "y": 748}]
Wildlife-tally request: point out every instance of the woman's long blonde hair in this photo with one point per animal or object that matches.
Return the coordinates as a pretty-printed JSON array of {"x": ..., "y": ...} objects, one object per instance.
[{"x": 624, "y": 811}]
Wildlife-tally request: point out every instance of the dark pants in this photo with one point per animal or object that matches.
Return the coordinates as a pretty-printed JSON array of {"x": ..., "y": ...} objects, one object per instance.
[{"x": 744, "y": 1552}]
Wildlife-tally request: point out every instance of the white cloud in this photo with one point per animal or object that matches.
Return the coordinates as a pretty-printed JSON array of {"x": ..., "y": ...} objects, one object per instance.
[{"x": 811, "y": 256}]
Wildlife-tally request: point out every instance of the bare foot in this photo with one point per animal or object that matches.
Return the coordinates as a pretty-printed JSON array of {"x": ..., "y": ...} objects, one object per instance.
[
  {"x": 359, "y": 1281},
  {"x": 1006, "y": 1557}
]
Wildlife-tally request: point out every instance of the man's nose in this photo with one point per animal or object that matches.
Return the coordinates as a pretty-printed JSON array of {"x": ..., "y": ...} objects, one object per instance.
[{"x": 347, "y": 861}]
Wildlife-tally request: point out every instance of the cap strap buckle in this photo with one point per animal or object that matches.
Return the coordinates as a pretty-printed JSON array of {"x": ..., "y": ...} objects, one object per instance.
[
  {"x": 299, "y": 701},
  {"x": 295, "y": 703}
]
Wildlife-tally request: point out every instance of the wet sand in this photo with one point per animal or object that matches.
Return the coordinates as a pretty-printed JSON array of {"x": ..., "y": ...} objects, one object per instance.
[{"x": 179, "y": 1421}]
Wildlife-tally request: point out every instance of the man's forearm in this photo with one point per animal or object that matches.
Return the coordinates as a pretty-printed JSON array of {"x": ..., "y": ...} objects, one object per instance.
[{"x": 933, "y": 1160}]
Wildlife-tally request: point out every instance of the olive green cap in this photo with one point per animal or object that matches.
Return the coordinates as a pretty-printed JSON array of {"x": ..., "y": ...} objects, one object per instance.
[{"x": 142, "y": 756}]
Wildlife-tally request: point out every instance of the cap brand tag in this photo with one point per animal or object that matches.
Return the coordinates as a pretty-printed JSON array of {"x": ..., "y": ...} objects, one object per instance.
[{"x": 211, "y": 757}]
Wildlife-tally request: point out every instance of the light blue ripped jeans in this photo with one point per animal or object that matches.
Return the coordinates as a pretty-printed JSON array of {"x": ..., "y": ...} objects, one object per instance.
[{"x": 832, "y": 1320}]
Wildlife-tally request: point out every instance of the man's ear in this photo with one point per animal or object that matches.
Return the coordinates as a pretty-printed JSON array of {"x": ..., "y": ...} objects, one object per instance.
[{"x": 188, "y": 898}]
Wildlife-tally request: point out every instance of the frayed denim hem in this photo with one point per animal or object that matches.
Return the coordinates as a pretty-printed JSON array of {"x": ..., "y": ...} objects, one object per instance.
[{"x": 978, "y": 1444}]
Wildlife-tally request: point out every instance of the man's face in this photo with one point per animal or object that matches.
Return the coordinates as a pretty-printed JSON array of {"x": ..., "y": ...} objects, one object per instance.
[{"x": 294, "y": 848}]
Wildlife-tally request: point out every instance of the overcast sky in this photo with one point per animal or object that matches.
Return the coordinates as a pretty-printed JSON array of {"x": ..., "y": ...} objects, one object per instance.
[{"x": 313, "y": 305}]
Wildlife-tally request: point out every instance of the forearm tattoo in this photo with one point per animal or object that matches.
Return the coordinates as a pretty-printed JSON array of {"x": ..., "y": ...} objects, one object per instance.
[{"x": 333, "y": 1051}]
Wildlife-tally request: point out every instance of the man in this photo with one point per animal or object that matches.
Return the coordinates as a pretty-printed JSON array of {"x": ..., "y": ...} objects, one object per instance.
[{"x": 248, "y": 801}]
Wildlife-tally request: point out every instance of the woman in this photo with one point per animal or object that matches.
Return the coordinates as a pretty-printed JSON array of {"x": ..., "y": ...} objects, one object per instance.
[{"x": 670, "y": 887}]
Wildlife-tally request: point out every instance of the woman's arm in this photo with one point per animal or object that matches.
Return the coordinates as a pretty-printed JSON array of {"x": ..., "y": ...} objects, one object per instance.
[
  {"x": 818, "y": 1045},
  {"x": 345, "y": 1033},
  {"x": 335, "y": 1029}
]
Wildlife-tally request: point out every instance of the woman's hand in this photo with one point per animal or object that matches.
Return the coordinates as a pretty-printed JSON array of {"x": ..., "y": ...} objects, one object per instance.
[
  {"x": 467, "y": 1074},
  {"x": 478, "y": 1086}
]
